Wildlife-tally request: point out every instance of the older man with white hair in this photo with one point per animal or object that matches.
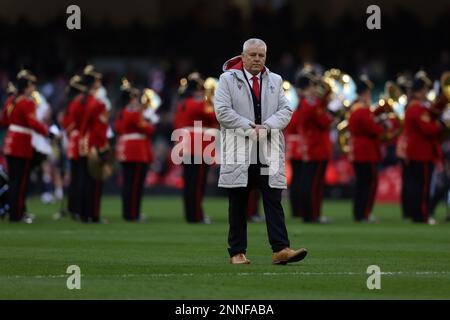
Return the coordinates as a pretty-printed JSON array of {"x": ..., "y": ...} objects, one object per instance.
[{"x": 250, "y": 102}]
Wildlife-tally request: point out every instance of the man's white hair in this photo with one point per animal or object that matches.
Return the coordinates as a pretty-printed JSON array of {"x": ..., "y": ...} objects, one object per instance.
[{"x": 254, "y": 42}]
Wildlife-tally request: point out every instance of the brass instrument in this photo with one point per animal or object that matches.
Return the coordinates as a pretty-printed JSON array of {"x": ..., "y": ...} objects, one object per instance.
[
  {"x": 150, "y": 99},
  {"x": 343, "y": 90},
  {"x": 291, "y": 94},
  {"x": 391, "y": 105},
  {"x": 343, "y": 136},
  {"x": 444, "y": 113},
  {"x": 36, "y": 97},
  {"x": 341, "y": 85},
  {"x": 151, "y": 102},
  {"x": 445, "y": 84},
  {"x": 210, "y": 85},
  {"x": 98, "y": 169},
  {"x": 192, "y": 77}
]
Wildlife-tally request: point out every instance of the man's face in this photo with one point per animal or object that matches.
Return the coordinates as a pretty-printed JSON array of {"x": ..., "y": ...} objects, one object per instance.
[
  {"x": 254, "y": 59},
  {"x": 422, "y": 94},
  {"x": 30, "y": 88},
  {"x": 97, "y": 84}
]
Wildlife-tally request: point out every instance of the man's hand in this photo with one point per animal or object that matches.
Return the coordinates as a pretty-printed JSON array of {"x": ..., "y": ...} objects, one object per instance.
[
  {"x": 54, "y": 132},
  {"x": 261, "y": 130}
]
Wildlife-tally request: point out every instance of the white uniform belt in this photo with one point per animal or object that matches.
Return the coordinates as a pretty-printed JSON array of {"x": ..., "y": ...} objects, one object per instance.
[
  {"x": 133, "y": 136},
  {"x": 20, "y": 129}
]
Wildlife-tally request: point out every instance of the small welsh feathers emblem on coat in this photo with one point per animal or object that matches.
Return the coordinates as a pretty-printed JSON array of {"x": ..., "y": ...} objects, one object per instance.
[
  {"x": 239, "y": 86},
  {"x": 272, "y": 89}
]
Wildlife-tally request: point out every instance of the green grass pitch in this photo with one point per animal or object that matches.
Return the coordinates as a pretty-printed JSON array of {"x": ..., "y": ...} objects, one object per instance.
[{"x": 169, "y": 259}]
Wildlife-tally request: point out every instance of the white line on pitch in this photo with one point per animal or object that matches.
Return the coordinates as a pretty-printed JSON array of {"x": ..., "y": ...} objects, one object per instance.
[{"x": 247, "y": 274}]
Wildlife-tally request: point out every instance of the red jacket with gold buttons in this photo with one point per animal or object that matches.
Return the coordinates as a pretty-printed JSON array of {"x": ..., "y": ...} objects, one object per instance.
[
  {"x": 72, "y": 124},
  {"x": 293, "y": 138},
  {"x": 423, "y": 133},
  {"x": 365, "y": 134},
  {"x": 19, "y": 115},
  {"x": 134, "y": 133},
  {"x": 314, "y": 124},
  {"x": 189, "y": 111},
  {"x": 93, "y": 125}
]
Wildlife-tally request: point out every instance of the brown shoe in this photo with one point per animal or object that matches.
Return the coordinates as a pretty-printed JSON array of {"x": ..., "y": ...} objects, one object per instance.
[
  {"x": 287, "y": 255},
  {"x": 239, "y": 259}
]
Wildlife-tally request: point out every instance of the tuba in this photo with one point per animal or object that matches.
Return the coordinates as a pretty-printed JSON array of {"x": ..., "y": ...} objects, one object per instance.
[
  {"x": 341, "y": 85},
  {"x": 343, "y": 94},
  {"x": 390, "y": 109}
]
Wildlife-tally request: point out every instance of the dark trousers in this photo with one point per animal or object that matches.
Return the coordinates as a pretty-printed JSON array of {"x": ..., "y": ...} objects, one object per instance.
[
  {"x": 74, "y": 199},
  {"x": 253, "y": 204},
  {"x": 134, "y": 174},
  {"x": 194, "y": 188},
  {"x": 441, "y": 188},
  {"x": 19, "y": 176},
  {"x": 238, "y": 201},
  {"x": 365, "y": 189},
  {"x": 294, "y": 188},
  {"x": 419, "y": 191},
  {"x": 406, "y": 185},
  {"x": 311, "y": 189},
  {"x": 90, "y": 191}
]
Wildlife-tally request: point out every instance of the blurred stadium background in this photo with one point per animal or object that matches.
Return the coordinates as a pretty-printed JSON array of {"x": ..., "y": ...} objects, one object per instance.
[{"x": 155, "y": 43}]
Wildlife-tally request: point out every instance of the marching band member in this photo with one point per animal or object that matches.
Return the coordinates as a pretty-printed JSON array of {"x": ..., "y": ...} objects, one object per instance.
[
  {"x": 190, "y": 109},
  {"x": 365, "y": 151},
  {"x": 295, "y": 158},
  {"x": 423, "y": 131},
  {"x": 19, "y": 115},
  {"x": 314, "y": 124},
  {"x": 405, "y": 85},
  {"x": 93, "y": 143},
  {"x": 71, "y": 124},
  {"x": 133, "y": 151}
]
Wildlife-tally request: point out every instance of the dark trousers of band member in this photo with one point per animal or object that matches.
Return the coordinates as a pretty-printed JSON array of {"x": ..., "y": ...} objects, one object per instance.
[
  {"x": 238, "y": 201},
  {"x": 73, "y": 203},
  {"x": 133, "y": 174},
  {"x": 441, "y": 189},
  {"x": 406, "y": 185},
  {"x": 311, "y": 189},
  {"x": 294, "y": 188},
  {"x": 19, "y": 176},
  {"x": 365, "y": 189},
  {"x": 194, "y": 188},
  {"x": 419, "y": 191},
  {"x": 90, "y": 191}
]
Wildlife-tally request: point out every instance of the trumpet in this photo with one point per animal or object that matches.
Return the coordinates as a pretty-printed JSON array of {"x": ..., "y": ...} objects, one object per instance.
[
  {"x": 150, "y": 99},
  {"x": 151, "y": 102}
]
